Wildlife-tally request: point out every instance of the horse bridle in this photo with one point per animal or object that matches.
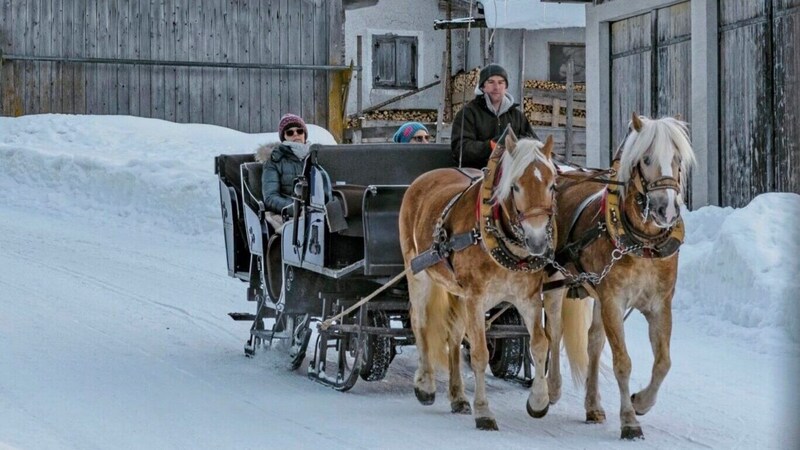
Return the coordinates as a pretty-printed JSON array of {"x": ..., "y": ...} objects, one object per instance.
[
  {"x": 515, "y": 221},
  {"x": 644, "y": 187}
]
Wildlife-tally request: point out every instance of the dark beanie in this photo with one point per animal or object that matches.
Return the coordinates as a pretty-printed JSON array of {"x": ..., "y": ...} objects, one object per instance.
[
  {"x": 489, "y": 71},
  {"x": 288, "y": 120}
]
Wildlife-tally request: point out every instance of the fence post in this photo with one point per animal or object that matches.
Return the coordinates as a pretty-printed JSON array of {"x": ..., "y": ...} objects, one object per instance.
[{"x": 570, "y": 94}]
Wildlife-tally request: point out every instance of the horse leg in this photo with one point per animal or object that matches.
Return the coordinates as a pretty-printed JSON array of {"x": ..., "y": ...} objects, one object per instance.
[
  {"x": 424, "y": 378},
  {"x": 539, "y": 399},
  {"x": 459, "y": 404},
  {"x": 660, "y": 329},
  {"x": 613, "y": 323},
  {"x": 553, "y": 331},
  {"x": 597, "y": 339},
  {"x": 479, "y": 360}
]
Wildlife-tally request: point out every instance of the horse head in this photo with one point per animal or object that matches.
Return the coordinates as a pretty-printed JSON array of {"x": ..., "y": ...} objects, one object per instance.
[
  {"x": 526, "y": 192},
  {"x": 655, "y": 158}
]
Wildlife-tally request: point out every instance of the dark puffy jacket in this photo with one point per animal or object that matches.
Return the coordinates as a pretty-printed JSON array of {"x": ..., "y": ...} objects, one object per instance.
[
  {"x": 281, "y": 167},
  {"x": 480, "y": 126}
]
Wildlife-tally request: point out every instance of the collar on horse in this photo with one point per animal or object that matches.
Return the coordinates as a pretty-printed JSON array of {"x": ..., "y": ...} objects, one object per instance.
[
  {"x": 623, "y": 234},
  {"x": 505, "y": 248},
  {"x": 615, "y": 224}
]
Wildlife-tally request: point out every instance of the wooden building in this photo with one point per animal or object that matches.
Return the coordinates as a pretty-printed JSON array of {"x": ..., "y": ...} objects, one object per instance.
[
  {"x": 728, "y": 67},
  {"x": 238, "y": 64}
]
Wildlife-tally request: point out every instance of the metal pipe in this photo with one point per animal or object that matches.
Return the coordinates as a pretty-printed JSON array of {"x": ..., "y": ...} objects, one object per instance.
[{"x": 149, "y": 62}]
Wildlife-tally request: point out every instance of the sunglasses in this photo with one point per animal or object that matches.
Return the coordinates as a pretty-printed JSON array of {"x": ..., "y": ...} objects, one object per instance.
[
  {"x": 420, "y": 138},
  {"x": 292, "y": 131}
]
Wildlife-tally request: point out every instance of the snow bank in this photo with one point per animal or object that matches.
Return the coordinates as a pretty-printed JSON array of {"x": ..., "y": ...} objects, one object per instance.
[
  {"x": 740, "y": 267},
  {"x": 148, "y": 171}
]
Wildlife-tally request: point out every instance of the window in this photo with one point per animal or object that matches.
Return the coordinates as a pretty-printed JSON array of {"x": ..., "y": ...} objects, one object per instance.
[
  {"x": 559, "y": 57},
  {"x": 394, "y": 61}
]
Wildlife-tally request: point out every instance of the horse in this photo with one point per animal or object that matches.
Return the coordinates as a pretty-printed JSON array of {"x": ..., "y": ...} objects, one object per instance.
[
  {"x": 621, "y": 242},
  {"x": 486, "y": 239}
]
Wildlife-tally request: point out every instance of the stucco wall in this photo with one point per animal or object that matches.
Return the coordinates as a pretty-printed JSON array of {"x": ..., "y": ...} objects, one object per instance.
[
  {"x": 507, "y": 51},
  {"x": 415, "y": 18},
  {"x": 401, "y": 17}
]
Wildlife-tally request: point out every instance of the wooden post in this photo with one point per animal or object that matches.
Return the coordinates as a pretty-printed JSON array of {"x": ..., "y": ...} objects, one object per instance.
[
  {"x": 554, "y": 119},
  {"x": 359, "y": 77},
  {"x": 442, "y": 100},
  {"x": 570, "y": 94},
  {"x": 338, "y": 80},
  {"x": 522, "y": 69},
  {"x": 447, "y": 73}
]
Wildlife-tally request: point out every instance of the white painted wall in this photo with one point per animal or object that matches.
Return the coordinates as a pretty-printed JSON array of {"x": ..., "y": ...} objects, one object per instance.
[
  {"x": 537, "y": 58},
  {"x": 415, "y": 18},
  {"x": 405, "y": 18}
]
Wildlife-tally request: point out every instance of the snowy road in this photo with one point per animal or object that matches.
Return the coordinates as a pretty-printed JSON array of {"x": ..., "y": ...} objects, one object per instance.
[
  {"x": 112, "y": 342},
  {"x": 114, "y": 330}
]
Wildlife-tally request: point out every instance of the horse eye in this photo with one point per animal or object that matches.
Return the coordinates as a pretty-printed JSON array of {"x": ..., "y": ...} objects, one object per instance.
[
  {"x": 646, "y": 160},
  {"x": 515, "y": 188}
]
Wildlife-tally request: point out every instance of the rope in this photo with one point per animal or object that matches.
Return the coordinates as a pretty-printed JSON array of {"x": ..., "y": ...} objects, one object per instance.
[{"x": 327, "y": 323}]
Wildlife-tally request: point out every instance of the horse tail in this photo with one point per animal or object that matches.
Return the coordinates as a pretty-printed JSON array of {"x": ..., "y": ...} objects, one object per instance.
[
  {"x": 576, "y": 317},
  {"x": 444, "y": 315}
]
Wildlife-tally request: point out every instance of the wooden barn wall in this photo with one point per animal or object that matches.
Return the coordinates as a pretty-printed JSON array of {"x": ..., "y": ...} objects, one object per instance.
[
  {"x": 652, "y": 83},
  {"x": 759, "y": 44},
  {"x": 787, "y": 95},
  {"x": 218, "y": 31}
]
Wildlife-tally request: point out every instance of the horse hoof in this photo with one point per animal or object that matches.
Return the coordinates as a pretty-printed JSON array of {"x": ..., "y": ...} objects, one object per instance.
[
  {"x": 632, "y": 433},
  {"x": 637, "y": 411},
  {"x": 536, "y": 414},
  {"x": 460, "y": 407},
  {"x": 424, "y": 397},
  {"x": 486, "y": 423},
  {"x": 595, "y": 416}
]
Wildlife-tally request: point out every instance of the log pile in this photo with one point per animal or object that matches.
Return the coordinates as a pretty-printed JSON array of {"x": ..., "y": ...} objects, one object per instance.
[
  {"x": 541, "y": 114},
  {"x": 553, "y": 86},
  {"x": 394, "y": 115}
]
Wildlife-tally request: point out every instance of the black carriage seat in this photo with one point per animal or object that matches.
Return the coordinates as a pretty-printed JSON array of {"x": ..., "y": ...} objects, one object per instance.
[
  {"x": 349, "y": 200},
  {"x": 226, "y": 167},
  {"x": 372, "y": 213}
]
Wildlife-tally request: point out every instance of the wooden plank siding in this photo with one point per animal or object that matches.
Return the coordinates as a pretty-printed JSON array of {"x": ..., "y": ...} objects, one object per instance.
[
  {"x": 786, "y": 70},
  {"x": 651, "y": 68},
  {"x": 631, "y": 71},
  {"x": 214, "y": 31},
  {"x": 746, "y": 100}
]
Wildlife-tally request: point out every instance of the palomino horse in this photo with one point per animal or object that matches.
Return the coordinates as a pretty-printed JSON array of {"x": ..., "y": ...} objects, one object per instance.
[
  {"x": 486, "y": 240},
  {"x": 624, "y": 241}
]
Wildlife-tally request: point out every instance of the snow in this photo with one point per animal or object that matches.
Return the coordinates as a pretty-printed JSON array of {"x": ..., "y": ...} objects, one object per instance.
[
  {"x": 114, "y": 331},
  {"x": 532, "y": 14}
]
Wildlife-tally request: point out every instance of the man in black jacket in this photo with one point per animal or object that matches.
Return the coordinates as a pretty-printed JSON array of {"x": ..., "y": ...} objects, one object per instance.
[{"x": 483, "y": 119}]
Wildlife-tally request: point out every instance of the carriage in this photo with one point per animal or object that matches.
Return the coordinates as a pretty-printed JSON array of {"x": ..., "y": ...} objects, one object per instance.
[{"x": 340, "y": 247}]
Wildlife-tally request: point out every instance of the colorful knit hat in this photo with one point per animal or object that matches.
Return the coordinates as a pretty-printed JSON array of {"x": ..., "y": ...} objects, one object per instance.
[
  {"x": 291, "y": 119},
  {"x": 407, "y": 131}
]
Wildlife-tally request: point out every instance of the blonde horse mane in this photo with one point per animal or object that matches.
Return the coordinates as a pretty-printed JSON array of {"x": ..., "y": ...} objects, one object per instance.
[
  {"x": 513, "y": 165},
  {"x": 660, "y": 135}
]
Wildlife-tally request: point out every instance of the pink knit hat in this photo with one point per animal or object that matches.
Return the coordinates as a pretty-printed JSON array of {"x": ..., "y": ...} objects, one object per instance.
[{"x": 287, "y": 121}]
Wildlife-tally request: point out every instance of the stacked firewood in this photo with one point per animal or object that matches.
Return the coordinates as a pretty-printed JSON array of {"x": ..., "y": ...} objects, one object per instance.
[
  {"x": 530, "y": 107},
  {"x": 400, "y": 115},
  {"x": 465, "y": 82},
  {"x": 552, "y": 85}
]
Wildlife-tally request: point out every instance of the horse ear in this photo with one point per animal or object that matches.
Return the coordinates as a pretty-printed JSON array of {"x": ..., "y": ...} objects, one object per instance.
[
  {"x": 511, "y": 139},
  {"x": 679, "y": 117},
  {"x": 636, "y": 121},
  {"x": 547, "y": 149}
]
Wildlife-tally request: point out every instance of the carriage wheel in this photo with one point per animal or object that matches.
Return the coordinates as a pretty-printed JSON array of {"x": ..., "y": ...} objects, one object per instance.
[
  {"x": 299, "y": 341},
  {"x": 379, "y": 350},
  {"x": 506, "y": 355}
]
